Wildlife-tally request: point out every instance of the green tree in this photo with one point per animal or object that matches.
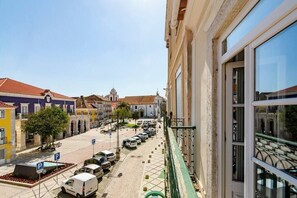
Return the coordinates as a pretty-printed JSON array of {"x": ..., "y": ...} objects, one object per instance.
[
  {"x": 122, "y": 111},
  {"x": 48, "y": 122},
  {"x": 135, "y": 116},
  {"x": 123, "y": 105}
]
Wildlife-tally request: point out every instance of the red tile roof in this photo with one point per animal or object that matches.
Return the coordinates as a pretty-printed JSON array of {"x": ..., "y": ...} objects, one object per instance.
[
  {"x": 8, "y": 85},
  {"x": 89, "y": 101},
  {"x": 287, "y": 90},
  {"x": 3, "y": 105},
  {"x": 138, "y": 100}
]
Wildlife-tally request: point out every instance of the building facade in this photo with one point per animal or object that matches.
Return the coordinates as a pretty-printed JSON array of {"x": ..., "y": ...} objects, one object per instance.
[
  {"x": 147, "y": 106},
  {"x": 30, "y": 99},
  {"x": 7, "y": 133},
  {"x": 231, "y": 66},
  {"x": 97, "y": 107}
]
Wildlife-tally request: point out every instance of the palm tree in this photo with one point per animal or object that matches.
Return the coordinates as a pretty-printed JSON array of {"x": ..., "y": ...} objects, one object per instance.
[{"x": 135, "y": 116}]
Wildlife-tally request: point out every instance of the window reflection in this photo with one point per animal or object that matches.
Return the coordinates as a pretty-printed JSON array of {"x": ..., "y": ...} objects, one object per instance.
[
  {"x": 257, "y": 14},
  {"x": 275, "y": 66},
  {"x": 269, "y": 185},
  {"x": 276, "y": 137}
]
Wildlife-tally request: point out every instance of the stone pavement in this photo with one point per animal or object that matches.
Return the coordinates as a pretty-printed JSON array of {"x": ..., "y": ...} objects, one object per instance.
[
  {"x": 74, "y": 149},
  {"x": 133, "y": 168},
  {"x": 78, "y": 148},
  {"x": 155, "y": 169}
]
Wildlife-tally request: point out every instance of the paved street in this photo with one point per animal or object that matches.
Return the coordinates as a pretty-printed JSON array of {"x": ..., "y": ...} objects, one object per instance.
[{"x": 78, "y": 148}]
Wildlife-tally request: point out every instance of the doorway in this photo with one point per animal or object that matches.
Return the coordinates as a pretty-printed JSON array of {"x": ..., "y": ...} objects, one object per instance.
[{"x": 234, "y": 132}]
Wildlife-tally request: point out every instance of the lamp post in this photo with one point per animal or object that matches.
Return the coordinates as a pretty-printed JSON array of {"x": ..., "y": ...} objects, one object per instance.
[{"x": 118, "y": 156}]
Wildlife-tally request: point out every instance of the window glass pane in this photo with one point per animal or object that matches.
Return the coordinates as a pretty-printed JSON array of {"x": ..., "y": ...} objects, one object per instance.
[
  {"x": 2, "y": 154},
  {"x": 2, "y": 136},
  {"x": 238, "y": 124},
  {"x": 276, "y": 137},
  {"x": 257, "y": 14},
  {"x": 178, "y": 96},
  {"x": 2, "y": 113},
  {"x": 238, "y": 163},
  {"x": 275, "y": 66},
  {"x": 269, "y": 185},
  {"x": 238, "y": 86}
]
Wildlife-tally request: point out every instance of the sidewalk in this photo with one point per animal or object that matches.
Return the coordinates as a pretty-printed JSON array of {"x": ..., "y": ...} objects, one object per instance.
[
  {"x": 74, "y": 149},
  {"x": 155, "y": 169},
  {"x": 133, "y": 169}
]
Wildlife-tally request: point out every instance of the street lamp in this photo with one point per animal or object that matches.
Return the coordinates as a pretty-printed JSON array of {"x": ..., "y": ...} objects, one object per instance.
[{"x": 118, "y": 155}]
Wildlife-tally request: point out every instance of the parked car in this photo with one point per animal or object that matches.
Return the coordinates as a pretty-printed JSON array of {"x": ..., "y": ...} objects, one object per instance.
[
  {"x": 110, "y": 156},
  {"x": 152, "y": 124},
  {"x": 130, "y": 143},
  {"x": 142, "y": 138},
  {"x": 148, "y": 133},
  {"x": 81, "y": 185},
  {"x": 139, "y": 122},
  {"x": 145, "y": 135},
  {"x": 99, "y": 160},
  {"x": 152, "y": 130},
  {"x": 145, "y": 126},
  {"x": 138, "y": 140},
  {"x": 93, "y": 169},
  {"x": 104, "y": 131}
]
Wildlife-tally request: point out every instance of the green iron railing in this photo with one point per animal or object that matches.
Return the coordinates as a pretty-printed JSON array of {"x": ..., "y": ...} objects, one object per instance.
[{"x": 178, "y": 181}]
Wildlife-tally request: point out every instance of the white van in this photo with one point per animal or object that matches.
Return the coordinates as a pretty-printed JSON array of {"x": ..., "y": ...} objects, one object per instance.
[
  {"x": 81, "y": 185},
  {"x": 93, "y": 169}
]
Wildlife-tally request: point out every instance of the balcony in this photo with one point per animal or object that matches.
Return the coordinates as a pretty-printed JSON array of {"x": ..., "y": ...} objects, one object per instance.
[{"x": 179, "y": 159}]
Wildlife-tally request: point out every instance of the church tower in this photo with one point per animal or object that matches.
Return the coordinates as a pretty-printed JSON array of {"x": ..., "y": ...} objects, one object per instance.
[{"x": 113, "y": 95}]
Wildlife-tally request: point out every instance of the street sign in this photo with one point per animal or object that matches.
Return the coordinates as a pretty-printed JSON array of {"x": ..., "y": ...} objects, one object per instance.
[
  {"x": 57, "y": 156},
  {"x": 93, "y": 141},
  {"x": 39, "y": 167}
]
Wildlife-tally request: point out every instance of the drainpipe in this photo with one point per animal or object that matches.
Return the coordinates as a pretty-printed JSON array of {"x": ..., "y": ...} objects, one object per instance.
[{"x": 174, "y": 14}]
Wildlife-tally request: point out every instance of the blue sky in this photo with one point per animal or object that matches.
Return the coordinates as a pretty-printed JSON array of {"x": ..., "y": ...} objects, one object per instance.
[{"x": 81, "y": 47}]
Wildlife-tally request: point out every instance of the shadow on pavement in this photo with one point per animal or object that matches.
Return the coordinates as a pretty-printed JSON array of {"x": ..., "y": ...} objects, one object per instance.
[{"x": 65, "y": 195}]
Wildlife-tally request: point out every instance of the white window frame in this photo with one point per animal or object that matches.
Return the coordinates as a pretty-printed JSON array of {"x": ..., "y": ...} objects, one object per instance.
[
  {"x": 36, "y": 107},
  {"x": 2, "y": 141},
  {"x": 25, "y": 105},
  {"x": 72, "y": 108},
  {"x": 284, "y": 23},
  {"x": 48, "y": 105},
  {"x": 65, "y": 107},
  {"x": 273, "y": 23},
  {"x": 2, "y": 113}
]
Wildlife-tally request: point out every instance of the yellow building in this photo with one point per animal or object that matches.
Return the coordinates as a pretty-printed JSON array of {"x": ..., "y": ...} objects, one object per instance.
[
  {"x": 7, "y": 133},
  {"x": 97, "y": 107}
]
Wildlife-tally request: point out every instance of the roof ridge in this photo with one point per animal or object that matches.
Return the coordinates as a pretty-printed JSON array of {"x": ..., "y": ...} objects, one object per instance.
[{"x": 5, "y": 79}]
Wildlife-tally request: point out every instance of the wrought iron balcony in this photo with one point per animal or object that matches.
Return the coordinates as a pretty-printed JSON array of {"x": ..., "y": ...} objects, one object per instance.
[{"x": 179, "y": 159}]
